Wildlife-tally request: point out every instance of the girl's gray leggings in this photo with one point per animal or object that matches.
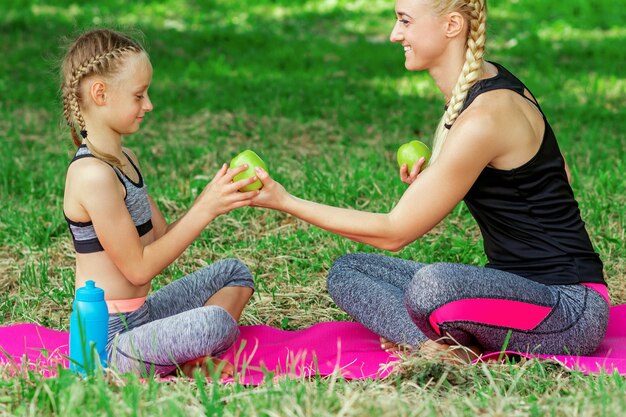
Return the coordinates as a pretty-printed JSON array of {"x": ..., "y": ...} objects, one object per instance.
[
  {"x": 410, "y": 302},
  {"x": 173, "y": 326}
]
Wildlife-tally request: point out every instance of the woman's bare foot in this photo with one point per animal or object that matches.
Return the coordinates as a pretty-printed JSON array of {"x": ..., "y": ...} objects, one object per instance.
[
  {"x": 209, "y": 366},
  {"x": 388, "y": 346},
  {"x": 455, "y": 354}
]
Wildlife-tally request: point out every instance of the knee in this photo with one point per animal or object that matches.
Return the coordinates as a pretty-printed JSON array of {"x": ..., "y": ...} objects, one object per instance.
[
  {"x": 221, "y": 325},
  {"x": 427, "y": 289},
  {"x": 346, "y": 263},
  {"x": 238, "y": 271},
  {"x": 340, "y": 271}
]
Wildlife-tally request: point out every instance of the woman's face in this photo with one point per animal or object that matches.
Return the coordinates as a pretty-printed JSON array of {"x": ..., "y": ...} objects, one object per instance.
[{"x": 421, "y": 32}]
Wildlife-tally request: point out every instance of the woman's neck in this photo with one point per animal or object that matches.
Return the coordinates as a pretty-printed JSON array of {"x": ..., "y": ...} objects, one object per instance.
[{"x": 446, "y": 74}]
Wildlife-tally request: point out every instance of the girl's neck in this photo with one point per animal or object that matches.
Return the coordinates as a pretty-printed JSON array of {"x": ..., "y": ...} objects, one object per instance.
[
  {"x": 104, "y": 139},
  {"x": 107, "y": 146}
]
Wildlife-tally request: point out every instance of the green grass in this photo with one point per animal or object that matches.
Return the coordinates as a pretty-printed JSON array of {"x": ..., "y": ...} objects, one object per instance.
[{"x": 318, "y": 91}]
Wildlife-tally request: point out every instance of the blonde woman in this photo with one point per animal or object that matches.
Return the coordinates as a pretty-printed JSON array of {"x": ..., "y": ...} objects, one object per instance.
[{"x": 494, "y": 150}]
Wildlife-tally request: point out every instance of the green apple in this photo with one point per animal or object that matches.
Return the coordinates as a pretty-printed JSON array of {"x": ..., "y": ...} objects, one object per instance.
[
  {"x": 410, "y": 152},
  {"x": 253, "y": 160}
]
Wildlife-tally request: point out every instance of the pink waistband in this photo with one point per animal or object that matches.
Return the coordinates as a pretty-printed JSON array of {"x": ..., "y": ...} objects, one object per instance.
[
  {"x": 125, "y": 306},
  {"x": 599, "y": 288}
]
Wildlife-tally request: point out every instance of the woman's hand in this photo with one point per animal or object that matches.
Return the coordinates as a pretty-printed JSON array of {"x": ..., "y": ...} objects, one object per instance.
[
  {"x": 273, "y": 195},
  {"x": 409, "y": 177},
  {"x": 222, "y": 195}
]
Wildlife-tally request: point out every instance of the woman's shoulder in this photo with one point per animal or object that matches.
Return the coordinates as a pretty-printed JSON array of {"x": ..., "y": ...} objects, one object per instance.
[
  {"x": 508, "y": 122},
  {"x": 498, "y": 110}
]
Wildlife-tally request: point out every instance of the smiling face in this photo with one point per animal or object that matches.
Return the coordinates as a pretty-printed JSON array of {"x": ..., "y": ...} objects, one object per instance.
[
  {"x": 421, "y": 32},
  {"x": 127, "y": 98}
]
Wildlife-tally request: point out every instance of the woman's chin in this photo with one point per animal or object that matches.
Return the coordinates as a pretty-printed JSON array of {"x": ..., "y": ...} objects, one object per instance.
[{"x": 413, "y": 66}]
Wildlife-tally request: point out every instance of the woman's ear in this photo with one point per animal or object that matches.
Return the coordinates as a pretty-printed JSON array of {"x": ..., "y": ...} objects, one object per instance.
[
  {"x": 97, "y": 91},
  {"x": 455, "y": 24}
]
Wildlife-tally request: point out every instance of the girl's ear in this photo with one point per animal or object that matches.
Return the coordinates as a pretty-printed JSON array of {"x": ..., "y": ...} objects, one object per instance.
[
  {"x": 455, "y": 24},
  {"x": 97, "y": 91}
]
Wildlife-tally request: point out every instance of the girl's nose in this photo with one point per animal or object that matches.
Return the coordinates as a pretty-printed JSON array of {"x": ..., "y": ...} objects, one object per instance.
[{"x": 147, "y": 106}]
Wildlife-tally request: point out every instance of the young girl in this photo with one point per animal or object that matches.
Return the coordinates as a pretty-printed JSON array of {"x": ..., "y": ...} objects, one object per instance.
[
  {"x": 122, "y": 240},
  {"x": 495, "y": 150}
]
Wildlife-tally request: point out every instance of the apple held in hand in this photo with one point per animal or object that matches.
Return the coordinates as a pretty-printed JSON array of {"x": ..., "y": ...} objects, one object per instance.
[
  {"x": 253, "y": 160},
  {"x": 410, "y": 152}
]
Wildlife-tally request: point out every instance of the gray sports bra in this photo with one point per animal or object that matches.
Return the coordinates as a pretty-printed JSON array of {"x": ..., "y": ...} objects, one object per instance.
[{"x": 84, "y": 234}]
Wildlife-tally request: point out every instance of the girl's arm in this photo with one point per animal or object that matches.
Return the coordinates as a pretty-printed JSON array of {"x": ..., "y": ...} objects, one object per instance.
[
  {"x": 470, "y": 146},
  {"x": 159, "y": 224},
  {"x": 118, "y": 234}
]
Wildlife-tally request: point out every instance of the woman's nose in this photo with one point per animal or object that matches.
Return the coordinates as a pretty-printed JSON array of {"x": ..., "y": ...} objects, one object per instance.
[{"x": 396, "y": 33}]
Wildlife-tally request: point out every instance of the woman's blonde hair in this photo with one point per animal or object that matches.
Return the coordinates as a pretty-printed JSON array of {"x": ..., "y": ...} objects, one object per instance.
[
  {"x": 475, "y": 13},
  {"x": 96, "y": 52}
]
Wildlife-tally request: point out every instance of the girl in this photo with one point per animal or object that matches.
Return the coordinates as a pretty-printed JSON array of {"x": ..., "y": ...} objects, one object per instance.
[
  {"x": 122, "y": 240},
  {"x": 495, "y": 150}
]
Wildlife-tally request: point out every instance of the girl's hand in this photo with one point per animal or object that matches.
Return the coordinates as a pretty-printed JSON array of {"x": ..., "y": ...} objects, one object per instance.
[
  {"x": 273, "y": 195},
  {"x": 409, "y": 177},
  {"x": 222, "y": 195}
]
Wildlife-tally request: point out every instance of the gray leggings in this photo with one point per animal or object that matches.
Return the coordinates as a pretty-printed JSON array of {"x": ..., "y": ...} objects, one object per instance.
[
  {"x": 410, "y": 302},
  {"x": 173, "y": 326}
]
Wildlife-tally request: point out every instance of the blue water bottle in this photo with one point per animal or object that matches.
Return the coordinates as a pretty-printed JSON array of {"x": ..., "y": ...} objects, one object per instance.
[{"x": 89, "y": 329}]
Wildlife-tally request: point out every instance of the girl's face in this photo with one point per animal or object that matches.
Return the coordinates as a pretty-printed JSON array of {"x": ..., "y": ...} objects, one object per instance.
[
  {"x": 128, "y": 99},
  {"x": 421, "y": 32}
]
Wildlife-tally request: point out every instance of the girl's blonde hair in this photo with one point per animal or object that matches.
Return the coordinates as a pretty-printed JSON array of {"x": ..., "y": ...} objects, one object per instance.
[
  {"x": 475, "y": 13},
  {"x": 96, "y": 52}
]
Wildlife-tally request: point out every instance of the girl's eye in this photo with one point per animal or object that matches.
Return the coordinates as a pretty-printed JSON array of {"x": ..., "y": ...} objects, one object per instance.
[
  {"x": 403, "y": 21},
  {"x": 139, "y": 97}
]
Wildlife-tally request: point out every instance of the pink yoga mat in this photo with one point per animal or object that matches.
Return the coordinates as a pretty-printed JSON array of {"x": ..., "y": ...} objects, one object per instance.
[
  {"x": 261, "y": 351},
  {"x": 322, "y": 349}
]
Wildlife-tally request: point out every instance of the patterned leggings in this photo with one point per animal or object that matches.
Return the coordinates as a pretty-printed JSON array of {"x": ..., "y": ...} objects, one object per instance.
[
  {"x": 410, "y": 302},
  {"x": 173, "y": 326}
]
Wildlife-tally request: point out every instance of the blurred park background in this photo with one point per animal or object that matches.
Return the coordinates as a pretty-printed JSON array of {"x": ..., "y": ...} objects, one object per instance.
[{"x": 318, "y": 91}]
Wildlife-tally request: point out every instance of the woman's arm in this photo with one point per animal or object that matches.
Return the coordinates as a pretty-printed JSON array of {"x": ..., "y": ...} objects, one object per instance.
[
  {"x": 432, "y": 195},
  {"x": 568, "y": 173}
]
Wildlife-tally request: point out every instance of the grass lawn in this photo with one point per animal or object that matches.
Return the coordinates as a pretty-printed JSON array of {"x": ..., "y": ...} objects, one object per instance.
[{"x": 314, "y": 87}]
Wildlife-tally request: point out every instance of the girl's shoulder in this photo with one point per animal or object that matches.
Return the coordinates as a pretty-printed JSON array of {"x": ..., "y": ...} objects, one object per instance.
[
  {"x": 84, "y": 176},
  {"x": 131, "y": 155},
  {"x": 91, "y": 174}
]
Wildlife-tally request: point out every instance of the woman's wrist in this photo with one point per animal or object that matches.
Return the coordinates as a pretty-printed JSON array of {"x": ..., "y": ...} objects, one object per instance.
[{"x": 289, "y": 204}]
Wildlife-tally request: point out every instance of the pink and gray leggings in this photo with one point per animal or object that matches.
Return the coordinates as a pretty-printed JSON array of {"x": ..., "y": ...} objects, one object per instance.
[{"x": 410, "y": 302}]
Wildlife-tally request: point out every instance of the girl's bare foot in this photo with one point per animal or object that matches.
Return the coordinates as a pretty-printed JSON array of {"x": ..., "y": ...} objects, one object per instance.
[
  {"x": 455, "y": 354},
  {"x": 209, "y": 366}
]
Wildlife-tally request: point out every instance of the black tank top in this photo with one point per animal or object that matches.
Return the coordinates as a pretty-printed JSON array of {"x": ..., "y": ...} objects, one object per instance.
[{"x": 529, "y": 219}]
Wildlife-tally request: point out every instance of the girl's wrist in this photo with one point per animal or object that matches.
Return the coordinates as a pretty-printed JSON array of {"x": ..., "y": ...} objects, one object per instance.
[{"x": 201, "y": 213}]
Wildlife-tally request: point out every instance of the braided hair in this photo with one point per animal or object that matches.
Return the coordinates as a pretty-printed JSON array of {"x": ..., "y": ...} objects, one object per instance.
[
  {"x": 475, "y": 12},
  {"x": 96, "y": 52}
]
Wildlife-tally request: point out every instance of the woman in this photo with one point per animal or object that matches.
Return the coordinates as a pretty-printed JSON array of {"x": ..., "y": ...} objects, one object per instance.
[{"x": 543, "y": 288}]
